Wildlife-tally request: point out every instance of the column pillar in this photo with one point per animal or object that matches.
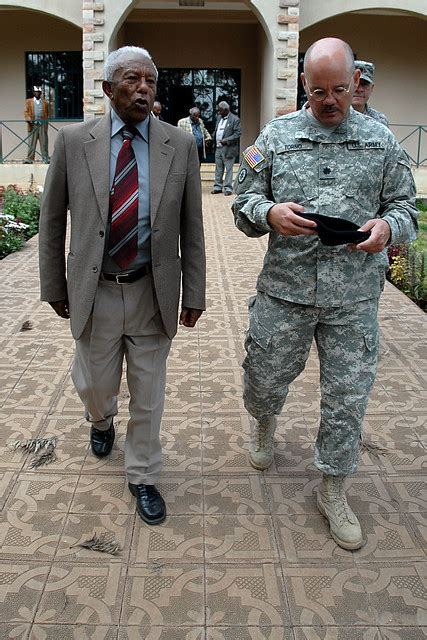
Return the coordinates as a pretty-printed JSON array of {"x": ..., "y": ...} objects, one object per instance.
[
  {"x": 286, "y": 80},
  {"x": 94, "y": 54}
]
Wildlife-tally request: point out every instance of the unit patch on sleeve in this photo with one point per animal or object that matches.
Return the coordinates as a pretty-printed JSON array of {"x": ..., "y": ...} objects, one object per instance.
[
  {"x": 242, "y": 175},
  {"x": 254, "y": 158}
]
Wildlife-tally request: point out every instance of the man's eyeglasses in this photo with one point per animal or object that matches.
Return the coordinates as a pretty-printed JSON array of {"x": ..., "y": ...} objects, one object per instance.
[{"x": 319, "y": 95}]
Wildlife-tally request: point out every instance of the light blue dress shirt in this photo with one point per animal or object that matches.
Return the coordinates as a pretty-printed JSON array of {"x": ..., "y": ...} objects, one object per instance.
[{"x": 140, "y": 148}]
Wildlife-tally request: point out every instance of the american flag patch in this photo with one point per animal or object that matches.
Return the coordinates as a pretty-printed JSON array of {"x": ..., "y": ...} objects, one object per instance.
[{"x": 253, "y": 156}]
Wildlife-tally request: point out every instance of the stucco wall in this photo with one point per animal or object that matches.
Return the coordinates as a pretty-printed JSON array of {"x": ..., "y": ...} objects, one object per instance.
[
  {"x": 393, "y": 44},
  {"x": 196, "y": 45}
]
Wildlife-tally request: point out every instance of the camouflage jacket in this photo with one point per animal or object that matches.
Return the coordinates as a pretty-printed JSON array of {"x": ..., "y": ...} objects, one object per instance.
[
  {"x": 376, "y": 115},
  {"x": 358, "y": 173}
]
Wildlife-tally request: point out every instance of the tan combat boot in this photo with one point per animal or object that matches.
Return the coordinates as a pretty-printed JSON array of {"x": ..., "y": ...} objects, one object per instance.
[
  {"x": 332, "y": 503},
  {"x": 261, "y": 446}
]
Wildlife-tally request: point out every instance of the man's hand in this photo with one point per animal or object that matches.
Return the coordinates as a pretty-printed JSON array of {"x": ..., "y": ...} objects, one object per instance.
[
  {"x": 189, "y": 317},
  {"x": 377, "y": 241},
  {"x": 61, "y": 308},
  {"x": 284, "y": 219}
]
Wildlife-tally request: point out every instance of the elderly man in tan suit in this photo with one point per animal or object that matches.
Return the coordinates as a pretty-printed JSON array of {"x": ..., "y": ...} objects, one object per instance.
[{"x": 132, "y": 186}]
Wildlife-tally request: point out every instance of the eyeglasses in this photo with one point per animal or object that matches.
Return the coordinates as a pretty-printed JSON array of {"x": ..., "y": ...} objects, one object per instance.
[{"x": 319, "y": 95}]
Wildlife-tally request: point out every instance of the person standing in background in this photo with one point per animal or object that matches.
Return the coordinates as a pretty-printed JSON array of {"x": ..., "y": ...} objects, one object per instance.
[
  {"x": 36, "y": 114},
  {"x": 363, "y": 92},
  {"x": 226, "y": 139},
  {"x": 194, "y": 124}
]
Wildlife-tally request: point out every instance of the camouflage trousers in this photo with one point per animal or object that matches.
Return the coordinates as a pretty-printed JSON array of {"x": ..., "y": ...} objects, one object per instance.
[{"x": 278, "y": 343}]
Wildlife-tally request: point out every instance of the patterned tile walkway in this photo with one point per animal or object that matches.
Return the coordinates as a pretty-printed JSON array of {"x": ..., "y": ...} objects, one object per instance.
[{"x": 243, "y": 555}]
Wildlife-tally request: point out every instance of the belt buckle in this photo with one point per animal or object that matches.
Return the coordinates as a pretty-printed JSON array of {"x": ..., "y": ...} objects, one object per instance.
[{"x": 122, "y": 275}]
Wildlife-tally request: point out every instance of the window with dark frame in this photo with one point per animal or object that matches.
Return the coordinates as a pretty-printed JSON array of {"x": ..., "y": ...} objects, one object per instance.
[{"x": 60, "y": 75}]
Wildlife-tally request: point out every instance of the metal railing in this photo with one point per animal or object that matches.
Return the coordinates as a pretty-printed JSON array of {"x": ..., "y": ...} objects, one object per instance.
[
  {"x": 15, "y": 137},
  {"x": 413, "y": 141}
]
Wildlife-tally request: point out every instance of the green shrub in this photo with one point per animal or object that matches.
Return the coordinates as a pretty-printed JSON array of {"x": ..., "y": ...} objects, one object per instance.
[{"x": 19, "y": 218}]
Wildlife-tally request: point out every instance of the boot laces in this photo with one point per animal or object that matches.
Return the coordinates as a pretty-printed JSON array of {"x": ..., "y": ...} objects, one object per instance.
[{"x": 342, "y": 508}]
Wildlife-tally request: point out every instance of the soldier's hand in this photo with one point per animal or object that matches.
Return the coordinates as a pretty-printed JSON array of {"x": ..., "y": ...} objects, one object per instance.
[
  {"x": 61, "y": 308},
  {"x": 377, "y": 241},
  {"x": 189, "y": 317},
  {"x": 285, "y": 220}
]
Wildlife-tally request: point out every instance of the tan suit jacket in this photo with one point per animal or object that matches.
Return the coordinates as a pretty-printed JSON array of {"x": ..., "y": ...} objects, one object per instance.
[
  {"x": 78, "y": 180},
  {"x": 29, "y": 112}
]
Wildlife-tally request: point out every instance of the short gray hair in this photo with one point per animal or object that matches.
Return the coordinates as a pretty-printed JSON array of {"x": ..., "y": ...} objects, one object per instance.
[
  {"x": 224, "y": 105},
  {"x": 116, "y": 59}
]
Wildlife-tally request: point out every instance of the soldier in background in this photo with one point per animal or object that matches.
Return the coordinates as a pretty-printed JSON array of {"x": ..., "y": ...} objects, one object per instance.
[
  {"x": 330, "y": 160},
  {"x": 36, "y": 114},
  {"x": 364, "y": 91}
]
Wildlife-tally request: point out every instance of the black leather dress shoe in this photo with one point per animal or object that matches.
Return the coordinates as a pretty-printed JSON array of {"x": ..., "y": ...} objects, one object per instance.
[
  {"x": 149, "y": 503},
  {"x": 101, "y": 442}
]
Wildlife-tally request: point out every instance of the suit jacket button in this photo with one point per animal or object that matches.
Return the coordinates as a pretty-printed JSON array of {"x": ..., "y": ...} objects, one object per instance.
[
  {"x": 95, "y": 269},
  {"x": 101, "y": 233}
]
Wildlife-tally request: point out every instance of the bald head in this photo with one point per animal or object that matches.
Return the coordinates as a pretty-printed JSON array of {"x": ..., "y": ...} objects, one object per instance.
[
  {"x": 329, "y": 80},
  {"x": 329, "y": 52}
]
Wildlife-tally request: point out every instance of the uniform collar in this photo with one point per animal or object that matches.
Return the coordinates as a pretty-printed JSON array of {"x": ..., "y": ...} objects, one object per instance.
[{"x": 346, "y": 131}]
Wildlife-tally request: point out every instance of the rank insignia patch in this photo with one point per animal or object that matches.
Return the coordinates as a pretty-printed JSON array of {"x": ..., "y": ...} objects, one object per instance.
[
  {"x": 253, "y": 157},
  {"x": 242, "y": 175}
]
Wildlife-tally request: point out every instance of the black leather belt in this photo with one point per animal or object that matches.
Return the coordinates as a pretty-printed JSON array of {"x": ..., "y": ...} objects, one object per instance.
[{"x": 127, "y": 278}]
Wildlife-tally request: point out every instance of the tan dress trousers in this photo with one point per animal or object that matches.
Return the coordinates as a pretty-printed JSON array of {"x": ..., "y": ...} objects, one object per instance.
[{"x": 126, "y": 323}]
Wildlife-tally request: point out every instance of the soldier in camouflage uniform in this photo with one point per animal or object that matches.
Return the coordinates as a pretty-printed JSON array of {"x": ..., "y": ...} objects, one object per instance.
[
  {"x": 325, "y": 159},
  {"x": 364, "y": 92}
]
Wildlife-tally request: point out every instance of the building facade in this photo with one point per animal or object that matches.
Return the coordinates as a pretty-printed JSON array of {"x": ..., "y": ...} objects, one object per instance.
[{"x": 246, "y": 51}]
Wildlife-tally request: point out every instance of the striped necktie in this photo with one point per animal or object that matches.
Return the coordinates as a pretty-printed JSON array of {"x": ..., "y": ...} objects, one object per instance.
[{"x": 123, "y": 244}]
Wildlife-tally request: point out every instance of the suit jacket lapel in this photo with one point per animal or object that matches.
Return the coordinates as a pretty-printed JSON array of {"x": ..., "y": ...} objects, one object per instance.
[
  {"x": 97, "y": 150},
  {"x": 161, "y": 155}
]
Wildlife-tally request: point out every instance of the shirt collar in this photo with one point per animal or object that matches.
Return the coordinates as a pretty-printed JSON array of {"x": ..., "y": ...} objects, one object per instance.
[{"x": 117, "y": 125}]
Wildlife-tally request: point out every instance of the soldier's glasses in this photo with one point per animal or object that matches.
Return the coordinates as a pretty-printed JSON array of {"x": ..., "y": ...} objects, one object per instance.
[{"x": 319, "y": 95}]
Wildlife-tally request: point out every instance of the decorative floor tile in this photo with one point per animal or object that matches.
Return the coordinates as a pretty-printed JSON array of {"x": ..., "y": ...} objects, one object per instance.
[
  {"x": 182, "y": 457},
  {"x": 331, "y": 595},
  {"x": 98, "y": 494},
  {"x": 305, "y": 539},
  {"x": 183, "y": 496},
  {"x": 411, "y": 492},
  {"x": 403, "y": 633},
  {"x": 82, "y": 527},
  {"x": 42, "y": 492},
  {"x": 178, "y": 540},
  {"x": 72, "y": 632},
  {"x": 35, "y": 391},
  {"x": 246, "y": 595},
  {"x": 249, "y": 633},
  {"x": 164, "y": 595},
  {"x": 245, "y": 495},
  {"x": 21, "y": 585},
  {"x": 161, "y": 633},
  {"x": 16, "y": 631},
  {"x": 225, "y": 428},
  {"x": 388, "y": 536},
  {"x": 29, "y": 535},
  {"x": 239, "y": 539},
  {"x": 82, "y": 594},
  {"x": 337, "y": 633},
  {"x": 217, "y": 460},
  {"x": 397, "y": 593},
  {"x": 20, "y": 426},
  {"x": 293, "y": 495},
  {"x": 66, "y": 427}
]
